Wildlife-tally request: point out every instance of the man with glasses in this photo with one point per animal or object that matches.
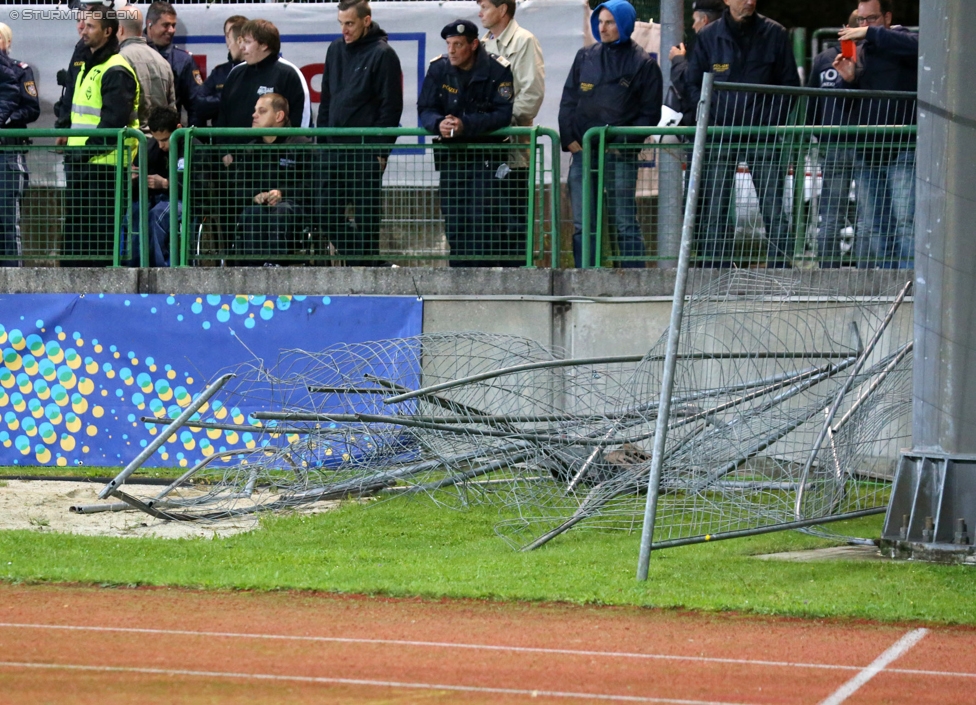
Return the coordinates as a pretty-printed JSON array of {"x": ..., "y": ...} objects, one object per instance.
[{"x": 887, "y": 60}]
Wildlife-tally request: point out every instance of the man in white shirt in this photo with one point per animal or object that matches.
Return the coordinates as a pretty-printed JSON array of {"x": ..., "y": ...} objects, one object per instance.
[{"x": 520, "y": 47}]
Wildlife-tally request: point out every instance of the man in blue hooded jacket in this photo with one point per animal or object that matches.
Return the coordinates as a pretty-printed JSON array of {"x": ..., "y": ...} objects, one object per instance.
[{"x": 614, "y": 83}]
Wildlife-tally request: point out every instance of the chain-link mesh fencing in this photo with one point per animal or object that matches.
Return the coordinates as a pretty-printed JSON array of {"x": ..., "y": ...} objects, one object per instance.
[
  {"x": 791, "y": 178},
  {"x": 354, "y": 197},
  {"x": 76, "y": 204}
]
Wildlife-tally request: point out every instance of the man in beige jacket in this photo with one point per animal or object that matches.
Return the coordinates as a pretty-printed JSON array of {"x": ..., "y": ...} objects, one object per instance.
[
  {"x": 153, "y": 71},
  {"x": 520, "y": 47}
]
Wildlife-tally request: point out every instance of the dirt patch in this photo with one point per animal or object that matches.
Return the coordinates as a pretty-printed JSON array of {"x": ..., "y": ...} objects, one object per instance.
[{"x": 43, "y": 506}]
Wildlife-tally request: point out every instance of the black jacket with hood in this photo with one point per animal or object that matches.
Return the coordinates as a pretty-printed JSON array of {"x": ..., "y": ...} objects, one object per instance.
[{"x": 362, "y": 85}]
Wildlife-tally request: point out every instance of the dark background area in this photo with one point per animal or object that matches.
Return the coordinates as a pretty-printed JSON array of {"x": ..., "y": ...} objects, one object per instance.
[{"x": 811, "y": 14}]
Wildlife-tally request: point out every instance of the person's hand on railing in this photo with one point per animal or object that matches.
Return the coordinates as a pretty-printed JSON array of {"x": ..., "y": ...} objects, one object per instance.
[
  {"x": 451, "y": 127},
  {"x": 61, "y": 141}
]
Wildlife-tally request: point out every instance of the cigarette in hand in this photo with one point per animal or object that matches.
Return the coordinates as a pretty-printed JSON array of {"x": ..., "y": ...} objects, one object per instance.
[{"x": 452, "y": 132}]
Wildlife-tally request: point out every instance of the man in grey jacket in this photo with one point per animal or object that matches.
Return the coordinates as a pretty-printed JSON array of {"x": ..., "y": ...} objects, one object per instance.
[
  {"x": 153, "y": 71},
  {"x": 510, "y": 41}
]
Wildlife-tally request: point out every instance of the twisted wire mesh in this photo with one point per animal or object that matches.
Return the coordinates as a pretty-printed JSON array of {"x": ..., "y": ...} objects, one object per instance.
[{"x": 554, "y": 443}]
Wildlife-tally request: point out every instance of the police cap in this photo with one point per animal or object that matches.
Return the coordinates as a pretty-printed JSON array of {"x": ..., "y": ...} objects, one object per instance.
[
  {"x": 460, "y": 28},
  {"x": 708, "y": 6}
]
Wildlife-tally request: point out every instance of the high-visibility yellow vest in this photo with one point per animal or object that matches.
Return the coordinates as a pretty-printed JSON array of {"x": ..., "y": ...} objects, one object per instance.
[{"x": 86, "y": 108}]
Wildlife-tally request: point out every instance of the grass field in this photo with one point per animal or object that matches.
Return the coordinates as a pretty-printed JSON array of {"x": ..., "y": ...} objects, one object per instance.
[{"x": 412, "y": 548}]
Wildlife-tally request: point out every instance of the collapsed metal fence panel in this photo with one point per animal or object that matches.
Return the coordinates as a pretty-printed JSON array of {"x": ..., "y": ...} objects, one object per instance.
[
  {"x": 350, "y": 196},
  {"x": 792, "y": 178},
  {"x": 73, "y": 204}
]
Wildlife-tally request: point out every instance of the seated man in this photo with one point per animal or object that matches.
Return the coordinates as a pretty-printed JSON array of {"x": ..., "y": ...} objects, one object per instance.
[
  {"x": 274, "y": 185},
  {"x": 163, "y": 122}
]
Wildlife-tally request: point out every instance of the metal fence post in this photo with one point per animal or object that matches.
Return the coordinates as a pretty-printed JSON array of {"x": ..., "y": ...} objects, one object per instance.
[{"x": 674, "y": 329}]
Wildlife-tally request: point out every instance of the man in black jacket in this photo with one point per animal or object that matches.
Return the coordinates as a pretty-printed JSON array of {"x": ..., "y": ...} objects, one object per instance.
[
  {"x": 208, "y": 97},
  {"x": 273, "y": 186},
  {"x": 703, "y": 13},
  {"x": 743, "y": 47},
  {"x": 262, "y": 72},
  {"x": 362, "y": 86},
  {"x": 613, "y": 82},
  {"x": 887, "y": 61},
  {"x": 466, "y": 95}
]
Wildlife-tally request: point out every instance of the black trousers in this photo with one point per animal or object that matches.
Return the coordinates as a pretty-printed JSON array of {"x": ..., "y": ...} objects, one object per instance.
[
  {"x": 351, "y": 177},
  {"x": 89, "y": 222}
]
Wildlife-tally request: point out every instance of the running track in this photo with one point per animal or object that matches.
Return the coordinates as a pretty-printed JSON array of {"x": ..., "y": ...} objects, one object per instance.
[{"x": 80, "y": 644}]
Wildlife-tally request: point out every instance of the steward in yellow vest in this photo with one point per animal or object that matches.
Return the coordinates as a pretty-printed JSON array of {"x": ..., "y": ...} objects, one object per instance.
[{"x": 106, "y": 95}]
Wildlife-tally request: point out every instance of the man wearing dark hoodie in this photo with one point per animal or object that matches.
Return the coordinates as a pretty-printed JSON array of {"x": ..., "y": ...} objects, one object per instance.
[
  {"x": 362, "y": 86},
  {"x": 207, "y": 98},
  {"x": 743, "y": 47},
  {"x": 614, "y": 82}
]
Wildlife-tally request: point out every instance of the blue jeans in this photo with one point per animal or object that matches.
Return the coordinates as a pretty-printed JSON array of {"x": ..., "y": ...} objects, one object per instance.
[
  {"x": 838, "y": 170},
  {"x": 620, "y": 182},
  {"x": 886, "y": 210},
  {"x": 13, "y": 181},
  {"x": 158, "y": 233}
]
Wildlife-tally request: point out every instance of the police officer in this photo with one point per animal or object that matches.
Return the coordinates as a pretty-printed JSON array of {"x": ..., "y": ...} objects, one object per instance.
[
  {"x": 743, "y": 47},
  {"x": 66, "y": 78},
  {"x": 160, "y": 28},
  {"x": 467, "y": 94},
  {"x": 18, "y": 107}
]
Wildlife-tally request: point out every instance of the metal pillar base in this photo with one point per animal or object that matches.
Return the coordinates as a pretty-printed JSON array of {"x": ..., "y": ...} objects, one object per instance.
[{"x": 932, "y": 509}]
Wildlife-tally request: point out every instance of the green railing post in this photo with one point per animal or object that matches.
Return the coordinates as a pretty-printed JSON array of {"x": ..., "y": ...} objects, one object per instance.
[
  {"x": 142, "y": 154},
  {"x": 120, "y": 191},
  {"x": 176, "y": 257},
  {"x": 187, "y": 220},
  {"x": 587, "y": 194},
  {"x": 530, "y": 225},
  {"x": 600, "y": 185}
]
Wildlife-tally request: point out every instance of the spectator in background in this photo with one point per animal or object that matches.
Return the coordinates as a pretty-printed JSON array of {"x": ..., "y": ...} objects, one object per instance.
[
  {"x": 163, "y": 122},
  {"x": 519, "y": 46},
  {"x": 466, "y": 95},
  {"x": 208, "y": 97},
  {"x": 66, "y": 78},
  {"x": 18, "y": 108},
  {"x": 703, "y": 13},
  {"x": 887, "y": 60},
  {"x": 743, "y": 47},
  {"x": 106, "y": 96},
  {"x": 160, "y": 29},
  {"x": 836, "y": 155},
  {"x": 153, "y": 71},
  {"x": 262, "y": 72},
  {"x": 613, "y": 82},
  {"x": 362, "y": 86},
  {"x": 274, "y": 187}
]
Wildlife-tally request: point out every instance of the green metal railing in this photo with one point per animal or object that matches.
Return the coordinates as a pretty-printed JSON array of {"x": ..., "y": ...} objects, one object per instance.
[
  {"x": 61, "y": 200},
  {"x": 772, "y": 195},
  {"x": 211, "y": 232}
]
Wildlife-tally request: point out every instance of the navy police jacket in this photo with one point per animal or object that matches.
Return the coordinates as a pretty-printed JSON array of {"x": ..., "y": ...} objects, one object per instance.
[
  {"x": 610, "y": 84},
  {"x": 484, "y": 104},
  {"x": 207, "y": 100},
  {"x": 18, "y": 94},
  {"x": 188, "y": 80},
  {"x": 756, "y": 51}
]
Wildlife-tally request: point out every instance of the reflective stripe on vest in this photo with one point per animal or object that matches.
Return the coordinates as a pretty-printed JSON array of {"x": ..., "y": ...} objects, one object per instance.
[{"x": 86, "y": 108}]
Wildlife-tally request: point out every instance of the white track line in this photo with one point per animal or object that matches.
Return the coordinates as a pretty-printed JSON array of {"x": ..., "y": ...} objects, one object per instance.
[
  {"x": 428, "y": 644},
  {"x": 876, "y": 666},
  {"x": 356, "y": 681},
  {"x": 481, "y": 647}
]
